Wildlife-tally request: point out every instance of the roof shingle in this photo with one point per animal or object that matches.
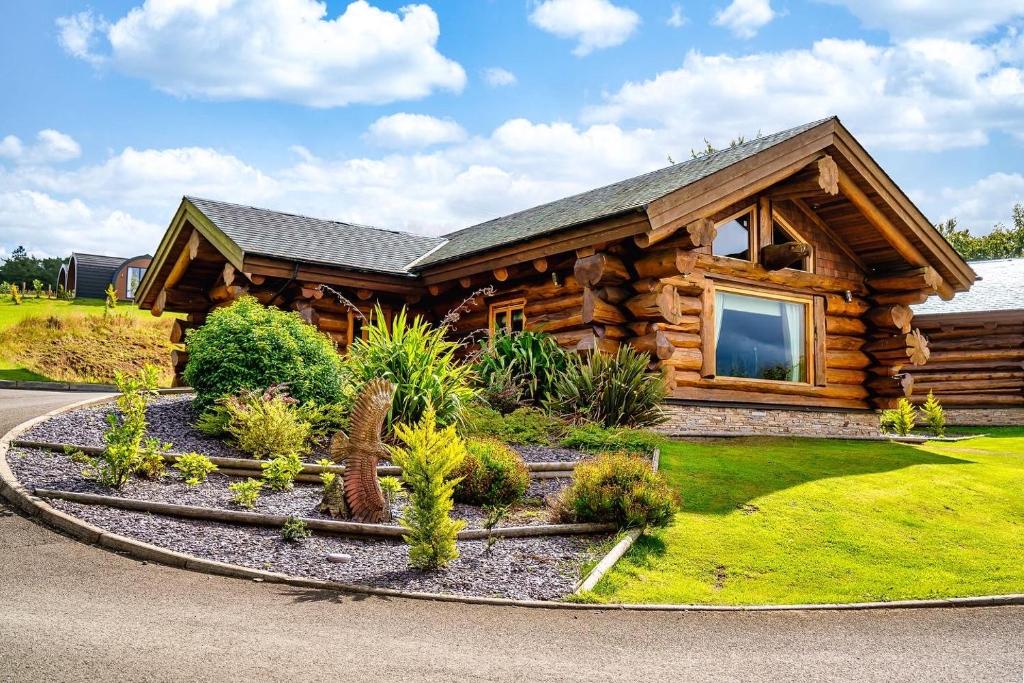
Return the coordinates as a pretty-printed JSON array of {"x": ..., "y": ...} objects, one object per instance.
[{"x": 1000, "y": 287}]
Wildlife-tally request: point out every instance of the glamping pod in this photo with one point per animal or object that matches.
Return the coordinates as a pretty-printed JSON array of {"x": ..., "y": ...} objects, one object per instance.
[{"x": 87, "y": 275}]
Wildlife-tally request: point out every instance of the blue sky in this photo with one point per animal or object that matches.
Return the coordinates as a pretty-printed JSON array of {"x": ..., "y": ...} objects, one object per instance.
[{"x": 434, "y": 116}]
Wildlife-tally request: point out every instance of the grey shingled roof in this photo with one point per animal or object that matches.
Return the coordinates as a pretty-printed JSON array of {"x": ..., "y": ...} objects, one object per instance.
[
  {"x": 1000, "y": 288},
  {"x": 610, "y": 200},
  {"x": 314, "y": 240}
]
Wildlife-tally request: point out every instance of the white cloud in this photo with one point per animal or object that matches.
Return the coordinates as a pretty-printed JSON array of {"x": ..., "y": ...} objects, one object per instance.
[
  {"x": 949, "y": 18},
  {"x": 497, "y": 77},
  {"x": 978, "y": 206},
  {"x": 413, "y": 130},
  {"x": 919, "y": 95},
  {"x": 745, "y": 17},
  {"x": 595, "y": 24},
  {"x": 51, "y": 145},
  {"x": 271, "y": 50},
  {"x": 677, "y": 19}
]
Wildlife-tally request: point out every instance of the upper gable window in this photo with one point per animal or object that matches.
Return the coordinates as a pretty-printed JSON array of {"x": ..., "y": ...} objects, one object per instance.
[
  {"x": 733, "y": 237},
  {"x": 782, "y": 233}
]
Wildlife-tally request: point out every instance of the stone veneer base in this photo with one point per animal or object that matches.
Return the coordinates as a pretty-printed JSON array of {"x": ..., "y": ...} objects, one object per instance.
[
  {"x": 986, "y": 417},
  {"x": 722, "y": 420}
]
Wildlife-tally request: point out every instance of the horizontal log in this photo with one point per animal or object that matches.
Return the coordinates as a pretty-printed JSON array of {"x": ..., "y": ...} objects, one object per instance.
[
  {"x": 977, "y": 385},
  {"x": 698, "y": 233},
  {"x": 847, "y": 360},
  {"x": 541, "y": 307},
  {"x": 924, "y": 376},
  {"x": 844, "y": 326},
  {"x": 665, "y": 263},
  {"x": 590, "y": 342},
  {"x": 790, "y": 279},
  {"x": 601, "y": 269},
  {"x": 570, "y": 338},
  {"x": 656, "y": 344},
  {"x": 836, "y": 304},
  {"x": 682, "y": 340},
  {"x": 750, "y": 395},
  {"x": 923, "y": 278},
  {"x": 840, "y": 376},
  {"x": 905, "y": 298},
  {"x": 684, "y": 359},
  {"x": 693, "y": 284},
  {"x": 838, "y": 391},
  {"x": 559, "y": 321},
  {"x": 896, "y": 385},
  {"x": 597, "y": 310},
  {"x": 779, "y": 256},
  {"x": 179, "y": 328},
  {"x": 224, "y": 293},
  {"x": 179, "y": 359},
  {"x": 981, "y": 342},
  {"x": 894, "y": 317},
  {"x": 686, "y": 323},
  {"x": 843, "y": 343}
]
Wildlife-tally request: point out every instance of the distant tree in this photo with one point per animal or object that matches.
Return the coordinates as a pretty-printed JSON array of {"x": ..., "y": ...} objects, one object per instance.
[
  {"x": 1002, "y": 242},
  {"x": 20, "y": 266}
]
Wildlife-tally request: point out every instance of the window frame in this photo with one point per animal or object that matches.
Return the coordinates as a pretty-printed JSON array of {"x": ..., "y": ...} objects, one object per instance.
[
  {"x": 809, "y": 333},
  {"x": 129, "y": 292},
  {"x": 797, "y": 237},
  {"x": 506, "y": 306},
  {"x": 367, "y": 318},
  {"x": 752, "y": 234}
]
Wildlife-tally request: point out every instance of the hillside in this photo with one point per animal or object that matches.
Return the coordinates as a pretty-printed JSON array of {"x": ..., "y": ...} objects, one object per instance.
[{"x": 75, "y": 341}]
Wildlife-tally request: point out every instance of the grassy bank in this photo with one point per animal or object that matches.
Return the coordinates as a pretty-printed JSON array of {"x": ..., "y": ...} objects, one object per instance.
[
  {"x": 75, "y": 341},
  {"x": 802, "y": 521}
]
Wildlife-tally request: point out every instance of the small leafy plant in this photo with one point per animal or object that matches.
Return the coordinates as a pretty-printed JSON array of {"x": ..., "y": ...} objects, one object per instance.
[
  {"x": 37, "y": 287},
  {"x": 246, "y": 493},
  {"x": 110, "y": 303},
  {"x": 495, "y": 514},
  {"x": 295, "y": 530},
  {"x": 899, "y": 420},
  {"x": 429, "y": 458},
  {"x": 151, "y": 459},
  {"x": 214, "y": 421},
  {"x": 194, "y": 468},
  {"x": 392, "y": 488},
  {"x": 266, "y": 423},
  {"x": 15, "y": 295},
  {"x": 619, "y": 488},
  {"x": 934, "y": 415},
  {"x": 279, "y": 474},
  {"x": 491, "y": 474}
]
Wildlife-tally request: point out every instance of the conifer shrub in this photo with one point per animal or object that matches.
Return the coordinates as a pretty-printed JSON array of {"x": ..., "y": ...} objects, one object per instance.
[
  {"x": 422, "y": 364},
  {"x": 110, "y": 303},
  {"x": 899, "y": 420},
  {"x": 194, "y": 468},
  {"x": 618, "y": 488},
  {"x": 934, "y": 415},
  {"x": 491, "y": 474},
  {"x": 246, "y": 493},
  {"x": 15, "y": 295},
  {"x": 429, "y": 458},
  {"x": 615, "y": 390},
  {"x": 249, "y": 346}
]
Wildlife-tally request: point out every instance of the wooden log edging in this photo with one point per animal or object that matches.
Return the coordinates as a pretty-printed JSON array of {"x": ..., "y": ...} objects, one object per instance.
[
  {"x": 608, "y": 561},
  {"x": 330, "y": 526},
  {"x": 244, "y": 467}
]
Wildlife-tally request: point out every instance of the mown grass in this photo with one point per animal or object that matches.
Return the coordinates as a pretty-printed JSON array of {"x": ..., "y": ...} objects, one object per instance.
[
  {"x": 812, "y": 521},
  {"x": 49, "y": 340}
]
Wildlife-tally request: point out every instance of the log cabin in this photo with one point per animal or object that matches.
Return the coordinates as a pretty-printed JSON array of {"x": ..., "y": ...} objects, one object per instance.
[
  {"x": 771, "y": 282},
  {"x": 976, "y": 368}
]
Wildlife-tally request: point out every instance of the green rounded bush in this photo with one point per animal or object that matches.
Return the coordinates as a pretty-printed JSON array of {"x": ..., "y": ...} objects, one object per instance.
[
  {"x": 249, "y": 346},
  {"x": 618, "y": 488},
  {"x": 492, "y": 474}
]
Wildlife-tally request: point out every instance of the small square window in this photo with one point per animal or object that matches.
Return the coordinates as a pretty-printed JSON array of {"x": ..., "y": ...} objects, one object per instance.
[
  {"x": 508, "y": 317},
  {"x": 782, "y": 233},
  {"x": 732, "y": 239}
]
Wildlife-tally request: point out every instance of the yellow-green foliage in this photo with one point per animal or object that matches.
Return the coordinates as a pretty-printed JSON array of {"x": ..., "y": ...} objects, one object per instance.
[
  {"x": 899, "y": 420},
  {"x": 15, "y": 295},
  {"x": 266, "y": 424},
  {"x": 491, "y": 474},
  {"x": 429, "y": 459},
  {"x": 934, "y": 415},
  {"x": 80, "y": 347},
  {"x": 620, "y": 488},
  {"x": 194, "y": 468},
  {"x": 279, "y": 474},
  {"x": 246, "y": 493},
  {"x": 111, "y": 301}
]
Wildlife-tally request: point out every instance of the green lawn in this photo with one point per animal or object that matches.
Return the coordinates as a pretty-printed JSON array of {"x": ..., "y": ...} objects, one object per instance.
[
  {"x": 11, "y": 314},
  {"x": 810, "y": 521}
]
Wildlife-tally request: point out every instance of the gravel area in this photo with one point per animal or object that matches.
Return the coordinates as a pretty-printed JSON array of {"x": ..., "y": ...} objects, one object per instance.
[
  {"x": 532, "y": 568},
  {"x": 548, "y": 454},
  {"x": 46, "y": 469}
]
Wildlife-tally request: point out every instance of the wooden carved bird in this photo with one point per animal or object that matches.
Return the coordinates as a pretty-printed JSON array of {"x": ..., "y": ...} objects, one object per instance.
[{"x": 361, "y": 449}]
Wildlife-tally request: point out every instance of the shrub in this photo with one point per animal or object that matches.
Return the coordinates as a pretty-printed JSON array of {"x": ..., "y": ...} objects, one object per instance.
[
  {"x": 618, "y": 488},
  {"x": 429, "y": 459},
  {"x": 15, "y": 295},
  {"x": 899, "y": 420},
  {"x": 37, "y": 287},
  {"x": 324, "y": 419},
  {"x": 419, "y": 361},
  {"x": 5, "y": 288},
  {"x": 612, "y": 390},
  {"x": 392, "y": 488},
  {"x": 594, "y": 438},
  {"x": 194, "y": 468},
  {"x": 491, "y": 474},
  {"x": 110, "y": 303},
  {"x": 151, "y": 459},
  {"x": 295, "y": 530},
  {"x": 214, "y": 421},
  {"x": 246, "y": 493},
  {"x": 266, "y": 423},
  {"x": 279, "y": 474},
  {"x": 503, "y": 391},
  {"x": 123, "y": 455},
  {"x": 532, "y": 360},
  {"x": 523, "y": 426},
  {"x": 934, "y": 415},
  {"x": 248, "y": 346}
]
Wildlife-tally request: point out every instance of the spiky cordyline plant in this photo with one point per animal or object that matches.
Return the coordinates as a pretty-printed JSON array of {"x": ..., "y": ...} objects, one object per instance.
[{"x": 532, "y": 359}]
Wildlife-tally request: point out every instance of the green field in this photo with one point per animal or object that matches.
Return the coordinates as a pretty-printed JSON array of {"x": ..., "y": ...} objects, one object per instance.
[
  {"x": 75, "y": 341},
  {"x": 812, "y": 521}
]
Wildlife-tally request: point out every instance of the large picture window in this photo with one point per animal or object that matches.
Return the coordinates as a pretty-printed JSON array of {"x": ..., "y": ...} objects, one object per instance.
[{"x": 761, "y": 337}]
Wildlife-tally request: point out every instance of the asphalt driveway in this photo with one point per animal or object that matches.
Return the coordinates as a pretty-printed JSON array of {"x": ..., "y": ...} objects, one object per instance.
[{"x": 74, "y": 612}]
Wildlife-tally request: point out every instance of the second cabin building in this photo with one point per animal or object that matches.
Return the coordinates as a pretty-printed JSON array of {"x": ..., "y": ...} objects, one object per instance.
[{"x": 766, "y": 280}]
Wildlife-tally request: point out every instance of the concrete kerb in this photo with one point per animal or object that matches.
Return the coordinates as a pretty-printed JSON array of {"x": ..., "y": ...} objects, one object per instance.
[{"x": 12, "y": 490}]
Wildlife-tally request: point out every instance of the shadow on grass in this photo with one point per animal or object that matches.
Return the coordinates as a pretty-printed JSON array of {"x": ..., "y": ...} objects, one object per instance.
[
  {"x": 646, "y": 550},
  {"x": 22, "y": 375},
  {"x": 721, "y": 477}
]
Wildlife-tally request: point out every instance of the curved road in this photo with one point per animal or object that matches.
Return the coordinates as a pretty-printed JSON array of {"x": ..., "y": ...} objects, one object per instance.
[{"x": 69, "y": 611}]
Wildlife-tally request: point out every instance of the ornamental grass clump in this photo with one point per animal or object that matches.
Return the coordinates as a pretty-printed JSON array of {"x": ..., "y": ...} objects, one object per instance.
[
  {"x": 249, "y": 346},
  {"x": 899, "y": 420},
  {"x": 124, "y": 455},
  {"x": 594, "y": 438},
  {"x": 525, "y": 363},
  {"x": 429, "y": 458},
  {"x": 934, "y": 415},
  {"x": 419, "y": 361},
  {"x": 266, "y": 423},
  {"x": 194, "y": 468},
  {"x": 612, "y": 390},
  {"x": 524, "y": 425},
  {"x": 618, "y": 488},
  {"x": 491, "y": 474}
]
